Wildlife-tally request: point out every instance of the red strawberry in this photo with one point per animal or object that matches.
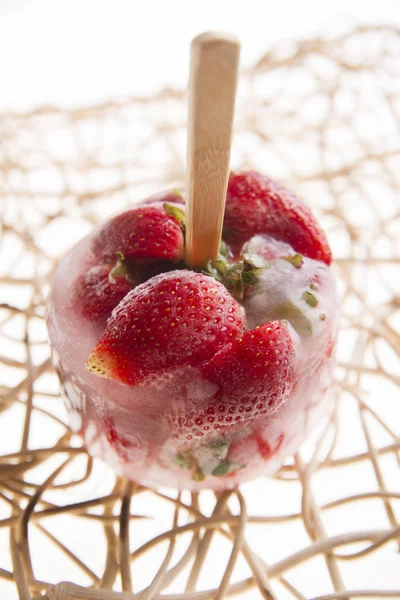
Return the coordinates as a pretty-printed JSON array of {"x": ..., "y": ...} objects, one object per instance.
[
  {"x": 174, "y": 319},
  {"x": 254, "y": 375},
  {"x": 95, "y": 295},
  {"x": 146, "y": 232},
  {"x": 257, "y": 204}
]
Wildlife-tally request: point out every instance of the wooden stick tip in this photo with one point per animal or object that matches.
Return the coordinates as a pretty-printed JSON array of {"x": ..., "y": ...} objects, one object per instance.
[{"x": 208, "y": 38}]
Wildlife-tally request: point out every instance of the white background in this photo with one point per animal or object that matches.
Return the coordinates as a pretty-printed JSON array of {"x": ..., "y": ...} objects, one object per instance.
[{"x": 81, "y": 51}]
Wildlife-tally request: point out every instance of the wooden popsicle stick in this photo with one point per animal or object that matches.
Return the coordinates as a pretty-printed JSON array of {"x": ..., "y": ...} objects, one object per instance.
[{"x": 214, "y": 64}]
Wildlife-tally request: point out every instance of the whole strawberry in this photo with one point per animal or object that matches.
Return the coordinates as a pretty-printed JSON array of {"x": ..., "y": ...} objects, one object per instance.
[
  {"x": 175, "y": 319},
  {"x": 129, "y": 249},
  {"x": 147, "y": 232},
  {"x": 253, "y": 376},
  {"x": 257, "y": 204}
]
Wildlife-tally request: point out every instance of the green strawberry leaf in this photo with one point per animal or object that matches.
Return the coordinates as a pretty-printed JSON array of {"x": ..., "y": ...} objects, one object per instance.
[
  {"x": 310, "y": 299},
  {"x": 234, "y": 273},
  {"x": 233, "y": 280},
  {"x": 175, "y": 212},
  {"x": 253, "y": 266},
  {"x": 123, "y": 268},
  {"x": 295, "y": 259},
  {"x": 237, "y": 276},
  {"x": 120, "y": 270},
  {"x": 251, "y": 277},
  {"x": 220, "y": 265},
  {"x": 216, "y": 268},
  {"x": 178, "y": 214},
  {"x": 226, "y": 467},
  {"x": 223, "y": 249},
  {"x": 181, "y": 461}
]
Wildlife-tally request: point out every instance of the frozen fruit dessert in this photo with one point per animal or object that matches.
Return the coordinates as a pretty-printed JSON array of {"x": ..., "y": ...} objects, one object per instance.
[{"x": 197, "y": 378}]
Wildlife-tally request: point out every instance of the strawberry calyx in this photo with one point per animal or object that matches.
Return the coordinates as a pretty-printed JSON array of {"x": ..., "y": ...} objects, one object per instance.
[
  {"x": 238, "y": 277},
  {"x": 226, "y": 467},
  {"x": 295, "y": 259},
  {"x": 174, "y": 319},
  {"x": 123, "y": 268},
  {"x": 178, "y": 214},
  {"x": 138, "y": 271},
  {"x": 242, "y": 277}
]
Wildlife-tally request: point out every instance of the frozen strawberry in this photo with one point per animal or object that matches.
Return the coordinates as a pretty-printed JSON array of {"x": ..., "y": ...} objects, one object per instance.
[
  {"x": 210, "y": 378},
  {"x": 95, "y": 294},
  {"x": 175, "y": 319},
  {"x": 254, "y": 376},
  {"x": 147, "y": 232},
  {"x": 257, "y": 204}
]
